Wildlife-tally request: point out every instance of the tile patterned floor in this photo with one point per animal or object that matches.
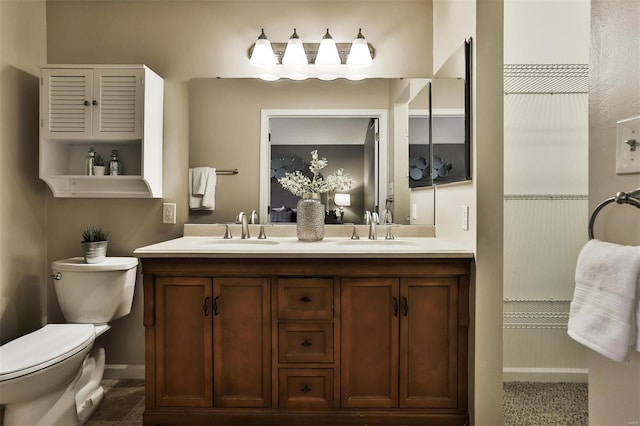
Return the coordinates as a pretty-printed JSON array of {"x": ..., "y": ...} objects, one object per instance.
[{"x": 123, "y": 404}]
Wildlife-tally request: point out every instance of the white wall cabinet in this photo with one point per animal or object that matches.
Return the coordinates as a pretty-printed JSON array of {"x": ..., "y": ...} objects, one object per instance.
[{"x": 106, "y": 107}]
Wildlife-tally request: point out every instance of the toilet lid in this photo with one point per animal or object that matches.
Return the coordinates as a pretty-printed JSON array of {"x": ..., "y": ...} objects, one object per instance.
[
  {"x": 42, "y": 348},
  {"x": 109, "y": 264}
]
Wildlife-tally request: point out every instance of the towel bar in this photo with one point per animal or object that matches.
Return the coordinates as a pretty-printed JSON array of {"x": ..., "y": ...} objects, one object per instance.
[
  {"x": 227, "y": 172},
  {"x": 621, "y": 197}
]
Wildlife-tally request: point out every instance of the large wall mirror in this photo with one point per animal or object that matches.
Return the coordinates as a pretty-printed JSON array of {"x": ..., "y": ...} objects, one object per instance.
[{"x": 226, "y": 130}]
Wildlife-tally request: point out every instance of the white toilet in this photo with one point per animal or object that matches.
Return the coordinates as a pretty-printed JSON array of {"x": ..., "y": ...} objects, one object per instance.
[{"x": 52, "y": 376}]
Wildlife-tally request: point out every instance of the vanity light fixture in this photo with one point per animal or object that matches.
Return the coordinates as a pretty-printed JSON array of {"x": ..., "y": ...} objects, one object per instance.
[
  {"x": 294, "y": 54},
  {"x": 359, "y": 54},
  {"x": 262, "y": 54},
  {"x": 328, "y": 52},
  {"x": 295, "y": 59}
]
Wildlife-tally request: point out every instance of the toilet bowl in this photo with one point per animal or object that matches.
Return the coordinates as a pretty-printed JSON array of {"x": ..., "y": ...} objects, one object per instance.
[{"x": 53, "y": 375}]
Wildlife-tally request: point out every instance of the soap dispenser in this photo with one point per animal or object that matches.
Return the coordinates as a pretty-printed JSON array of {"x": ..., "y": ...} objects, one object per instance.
[
  {"x": 89, "y": 162},
  {"x": 115, "y": 166}
]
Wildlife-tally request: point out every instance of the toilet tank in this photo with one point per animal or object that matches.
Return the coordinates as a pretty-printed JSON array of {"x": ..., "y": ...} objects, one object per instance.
[{"x": 95, "y": 293}]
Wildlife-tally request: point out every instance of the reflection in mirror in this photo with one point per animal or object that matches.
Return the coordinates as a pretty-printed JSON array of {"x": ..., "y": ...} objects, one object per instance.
[
  {"x": 348, "y": 143},
  {"x": 440, "y": 136}
]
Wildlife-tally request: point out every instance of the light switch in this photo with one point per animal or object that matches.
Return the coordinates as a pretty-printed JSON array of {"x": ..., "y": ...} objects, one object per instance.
[{"x": 628, "y": 146}]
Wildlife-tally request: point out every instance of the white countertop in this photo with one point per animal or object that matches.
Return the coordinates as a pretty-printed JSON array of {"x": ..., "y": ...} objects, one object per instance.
[{"x": 278, "y": 247}]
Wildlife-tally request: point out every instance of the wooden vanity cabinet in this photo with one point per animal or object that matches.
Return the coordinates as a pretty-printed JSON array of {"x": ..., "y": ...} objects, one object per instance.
[
  {"x": 212, "y": 334},
  {"x": 311, "y": 342}
]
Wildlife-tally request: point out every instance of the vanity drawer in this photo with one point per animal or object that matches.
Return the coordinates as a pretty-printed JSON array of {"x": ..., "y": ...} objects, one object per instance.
[
  {"x": 305, "y": 298},
  {"x": 305, "y": 387},
  {"x": 305, "y": 342}
]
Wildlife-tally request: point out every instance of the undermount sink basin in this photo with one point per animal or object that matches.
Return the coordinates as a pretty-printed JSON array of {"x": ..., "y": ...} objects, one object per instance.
[
  {"x": 234, "y": 241},
  {"x": 383, "y": 242}
]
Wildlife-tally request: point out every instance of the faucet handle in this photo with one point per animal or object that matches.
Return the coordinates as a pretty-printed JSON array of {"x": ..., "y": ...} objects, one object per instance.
[
  {"x": 262, "y": 235},
  {"x": 227, "y": 232},
  {"x": 389, "y": 235},
  {"x": 354, "y": 235}
]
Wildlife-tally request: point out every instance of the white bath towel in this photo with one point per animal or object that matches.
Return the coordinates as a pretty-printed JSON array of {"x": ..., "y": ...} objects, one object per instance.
[
  {"x": 202, "y": 196},
  {"x": 604, "y": 310}
]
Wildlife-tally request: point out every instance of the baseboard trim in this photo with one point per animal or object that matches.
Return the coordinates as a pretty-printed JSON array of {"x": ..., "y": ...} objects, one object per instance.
[
  {"x": 575, "y": 375},
  {"x": 124, "y": 371}
]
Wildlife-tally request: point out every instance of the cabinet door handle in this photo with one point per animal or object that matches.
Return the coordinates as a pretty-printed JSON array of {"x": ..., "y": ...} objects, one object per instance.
[
  {"x": 306, "y": 343},
  {"x": 405, "y": 306},
  {"x": 305, "y": 389},
  {"x": 305, "y": 299},
  {"x": 205, "y": 306},
  {"x": 395, "y": 306},
  {"x": 94, "y": 102},
  {"x": 216, "y": 309},
  {"x": 86, "y": 103}
]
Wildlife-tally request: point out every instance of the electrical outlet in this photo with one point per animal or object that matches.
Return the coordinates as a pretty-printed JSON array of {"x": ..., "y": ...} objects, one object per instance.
[
  {"x": 465, "y": 217},
  {"x": 169, "y": 213}
]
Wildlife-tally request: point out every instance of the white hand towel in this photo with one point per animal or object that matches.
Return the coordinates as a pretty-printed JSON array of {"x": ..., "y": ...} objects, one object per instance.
[
  {"x": 199, "y": 180},
  {"x": 605, "y": 302},
  {"x": 206, "y": 200},
  {"x": 209, "y": 196}
]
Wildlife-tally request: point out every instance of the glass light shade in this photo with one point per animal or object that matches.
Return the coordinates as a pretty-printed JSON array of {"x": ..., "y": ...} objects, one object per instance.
[
  {"x": 262, "y": 55},
  {"x": 327, "y": 52},
  {"x": 356, "y": 77},
  {"x": 297, "y": 76},
  {"x": 294, "y": 54},
  {"x": 359, "y": 54},
  {"x": 268, "y": 77},
  {"x": 342, "y": 200}
]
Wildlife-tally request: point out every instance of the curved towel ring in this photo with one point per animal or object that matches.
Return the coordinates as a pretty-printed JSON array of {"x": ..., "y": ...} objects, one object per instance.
[{"x": 621, "y": 197}]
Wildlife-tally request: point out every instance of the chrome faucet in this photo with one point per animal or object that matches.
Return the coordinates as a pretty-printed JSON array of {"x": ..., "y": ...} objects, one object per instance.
[
  {"x": 242, "y": 218},
  {"x": 375, "y": 219},
  {"x": 387, "y": 216},
  {"x": 253, "y": 217}
]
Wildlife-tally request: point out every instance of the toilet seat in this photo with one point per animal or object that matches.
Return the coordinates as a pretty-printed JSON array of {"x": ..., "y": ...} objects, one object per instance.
[{"x": 42, "y": 348}]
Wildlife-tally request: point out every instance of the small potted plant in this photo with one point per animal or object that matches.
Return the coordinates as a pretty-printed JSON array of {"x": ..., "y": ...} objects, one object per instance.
[
  {"x": 94, "y": 244},
  {"x": 98, "y": 165}
]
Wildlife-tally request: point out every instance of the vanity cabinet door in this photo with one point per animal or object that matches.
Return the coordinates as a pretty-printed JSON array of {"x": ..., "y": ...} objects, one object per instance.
[
  {"x": 242, "y": 342},
  {"x": 183, "y": 328},
  {"x": 369, "y": 341},
  {"x": 429, "y": 343}
]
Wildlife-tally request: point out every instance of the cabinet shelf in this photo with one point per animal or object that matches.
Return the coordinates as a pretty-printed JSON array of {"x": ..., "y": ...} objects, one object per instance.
[{"x": 104, "y": 107}]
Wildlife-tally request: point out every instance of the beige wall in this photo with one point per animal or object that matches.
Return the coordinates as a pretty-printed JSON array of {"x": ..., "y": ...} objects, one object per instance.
[
  {"x": 614, "y": 388},
  {"x": 22, "y": 194}
]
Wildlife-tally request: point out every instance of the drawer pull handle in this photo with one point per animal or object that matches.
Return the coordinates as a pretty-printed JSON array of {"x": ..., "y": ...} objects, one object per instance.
[
  {"x": 305, "y": 389},
  {"x": 216, "y": 309},
  {"x": 405, "y": 306},
  {"x": 305, "y": 299},
  {"x": 306, "y": 343},
  {"x": 395, "y": 306},
  {"x": 205, "y": 306}
]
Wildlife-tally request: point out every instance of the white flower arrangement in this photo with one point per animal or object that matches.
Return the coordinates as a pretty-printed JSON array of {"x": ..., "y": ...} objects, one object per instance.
[{"x": 299, "y": 184}]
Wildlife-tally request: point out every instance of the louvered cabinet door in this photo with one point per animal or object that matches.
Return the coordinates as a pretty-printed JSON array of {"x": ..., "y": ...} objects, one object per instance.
[
  {"x": 118, "y": 104},
  {"x": 66, "y": 103}
]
